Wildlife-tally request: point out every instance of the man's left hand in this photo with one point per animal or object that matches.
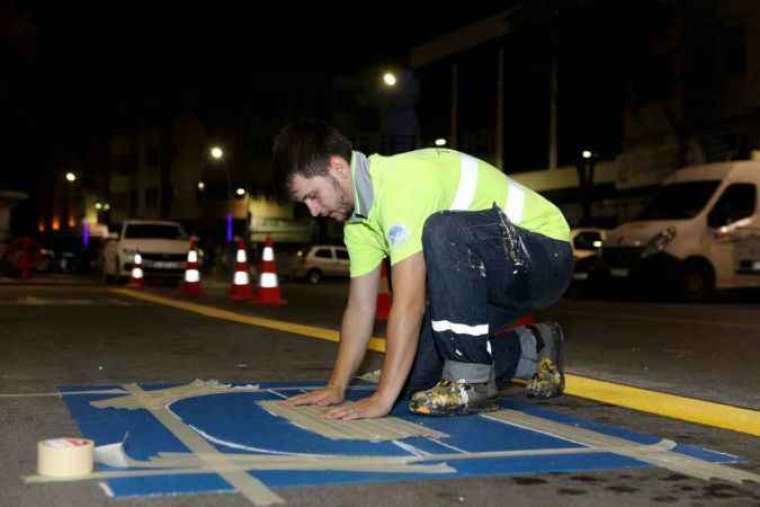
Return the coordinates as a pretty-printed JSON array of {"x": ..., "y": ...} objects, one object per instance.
[{"x": 366, "y": 408}]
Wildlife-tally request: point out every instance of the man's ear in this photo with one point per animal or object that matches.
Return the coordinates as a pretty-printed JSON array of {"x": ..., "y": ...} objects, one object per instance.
[{"x": 339, "y": 167}]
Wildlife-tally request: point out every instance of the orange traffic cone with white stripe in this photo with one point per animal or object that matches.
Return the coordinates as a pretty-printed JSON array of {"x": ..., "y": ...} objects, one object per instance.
[
  {"x": 384, "y": 298},
  {"x": 524, "y": 320},
  {"x": 192, "y": 284},
  {"x": 268, "y": 292},
  {"x": 240, "y": 290},
  {"x": 137, "y": 278}
]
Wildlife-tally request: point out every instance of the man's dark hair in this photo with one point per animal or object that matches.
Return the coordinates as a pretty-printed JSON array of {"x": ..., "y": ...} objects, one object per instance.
[{"x": 305, "y": 147}]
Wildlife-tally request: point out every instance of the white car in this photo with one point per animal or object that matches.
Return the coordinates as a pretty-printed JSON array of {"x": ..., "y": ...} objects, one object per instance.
[
  {"x": 318, "y": 261},
  {"x": 162, "y": 245}
]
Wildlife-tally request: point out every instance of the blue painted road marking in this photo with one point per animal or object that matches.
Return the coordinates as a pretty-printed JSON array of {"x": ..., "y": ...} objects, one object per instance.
[{"x": 235, "y": 425}]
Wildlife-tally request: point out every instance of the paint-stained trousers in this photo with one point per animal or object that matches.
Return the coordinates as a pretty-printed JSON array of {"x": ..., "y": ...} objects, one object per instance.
[{"x": 483, "y": 273}]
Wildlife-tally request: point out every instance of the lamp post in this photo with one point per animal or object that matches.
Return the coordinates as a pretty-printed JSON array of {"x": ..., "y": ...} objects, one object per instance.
[
  {"x": 71, "y": 179},
  {"x": 217, "y": 154},
  {"x": 585, "y": 168}
]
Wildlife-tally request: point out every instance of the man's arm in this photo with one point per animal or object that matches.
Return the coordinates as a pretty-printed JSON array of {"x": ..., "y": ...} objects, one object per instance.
[
  {"x": 355, "y": 332},
  {"x": 356, "y": 328},
  {"x": 401, "y": 343}
]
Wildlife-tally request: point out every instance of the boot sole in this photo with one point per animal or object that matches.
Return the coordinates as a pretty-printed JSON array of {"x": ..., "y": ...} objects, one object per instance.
[{"x": 490, "y": 405}]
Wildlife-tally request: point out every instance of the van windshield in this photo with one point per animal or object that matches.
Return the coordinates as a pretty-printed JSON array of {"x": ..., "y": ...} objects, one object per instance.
[{"x": 679, "y": 201}]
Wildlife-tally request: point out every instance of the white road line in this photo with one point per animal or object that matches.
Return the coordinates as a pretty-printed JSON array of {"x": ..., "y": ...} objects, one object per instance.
[{"x": 61, "y": 394}]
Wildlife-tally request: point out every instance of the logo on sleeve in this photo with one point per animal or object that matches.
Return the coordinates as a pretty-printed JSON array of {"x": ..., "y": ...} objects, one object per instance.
[{"x": 398, "y": 234}]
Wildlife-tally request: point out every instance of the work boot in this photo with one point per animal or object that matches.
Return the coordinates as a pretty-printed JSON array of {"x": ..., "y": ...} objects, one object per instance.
[
  {"x": 455, "y": 398},
  {"x": 549, "y": 379}
]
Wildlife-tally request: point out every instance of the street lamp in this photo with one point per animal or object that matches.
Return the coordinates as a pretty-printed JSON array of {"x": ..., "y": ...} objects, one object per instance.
[
  {"x": 440, "y": 142},
  {"x": 216, "y": 153},
  {"x": 389, "y": 78},
  {"x": 587, "y": 154},
  {"x": 201, "y": 186},
  {"x": 240, "y": 192},
  {"x": 98, "y": 206},
  {"x": 71, "y": 177}
]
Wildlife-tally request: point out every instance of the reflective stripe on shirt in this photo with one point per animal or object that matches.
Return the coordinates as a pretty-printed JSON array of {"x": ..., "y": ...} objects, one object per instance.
[
  {"x": 514, "y": 207},
  {"x": 468, "y": 182}
]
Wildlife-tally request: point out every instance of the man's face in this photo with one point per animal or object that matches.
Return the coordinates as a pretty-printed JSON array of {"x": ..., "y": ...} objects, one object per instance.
[{"x": 327, "y": 196}]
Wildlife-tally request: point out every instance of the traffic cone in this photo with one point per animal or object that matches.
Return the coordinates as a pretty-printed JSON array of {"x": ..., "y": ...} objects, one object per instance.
[
  {"x": 268, "y": 292},
  {"x": 384, "y": 298},
  {"x": 524, "y": 320},
  {"x": 192, "y": 284},
  {"x": 137, "y": 280},
  {"x": 240, "y": 290}
]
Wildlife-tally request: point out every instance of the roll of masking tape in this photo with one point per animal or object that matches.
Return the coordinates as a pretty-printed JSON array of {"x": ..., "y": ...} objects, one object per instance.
[{"x": 65, "y": 457}]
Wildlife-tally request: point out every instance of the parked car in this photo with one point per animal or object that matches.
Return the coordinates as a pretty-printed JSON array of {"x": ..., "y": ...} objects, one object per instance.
[
  {"x": 318, "y": 261},
  {"x": 66, "y": 253},
  {"x": 162, "y": 245},
  {"x": 587, "y": 243},
  {"x": 701, "y": 232}
]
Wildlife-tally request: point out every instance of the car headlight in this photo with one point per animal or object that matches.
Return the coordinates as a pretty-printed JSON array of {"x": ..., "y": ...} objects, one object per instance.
[{"x": 659, "y": 242}]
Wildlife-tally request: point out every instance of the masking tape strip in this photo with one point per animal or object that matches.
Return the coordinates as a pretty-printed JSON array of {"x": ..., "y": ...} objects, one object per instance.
[
  {"x": 248, "y": 486},
  {"x": 675, "y": 462},
  {"x": 176, "y": 463},
  {"x": 311, "y": 419}
]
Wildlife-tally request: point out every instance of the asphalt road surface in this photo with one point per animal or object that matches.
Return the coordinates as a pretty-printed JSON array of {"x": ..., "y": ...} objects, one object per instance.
[{"x": 88, "y": 334}]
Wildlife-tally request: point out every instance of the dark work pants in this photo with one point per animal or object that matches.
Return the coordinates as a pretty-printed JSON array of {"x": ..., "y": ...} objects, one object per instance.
[{"x": 483, "y": 273}]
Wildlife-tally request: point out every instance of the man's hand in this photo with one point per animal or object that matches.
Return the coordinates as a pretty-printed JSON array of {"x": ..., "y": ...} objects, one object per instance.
[
  {"x": 366, "y": 408},
  {"x": 329, "y": 395}
]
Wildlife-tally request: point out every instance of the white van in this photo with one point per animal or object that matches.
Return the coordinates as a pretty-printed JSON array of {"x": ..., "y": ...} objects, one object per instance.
[{"x": 701, "y": 232}]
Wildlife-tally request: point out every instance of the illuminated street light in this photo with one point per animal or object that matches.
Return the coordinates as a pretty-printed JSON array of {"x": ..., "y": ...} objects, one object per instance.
[
  {"x": 71, "y": 177},
  {"x": 217, "y": 153},
  {"x": 389, "y": 78},
  {"x": 201, "y": 186},
  {"x": 586, "y": 154},
  {"x": 240, "y": 191},
  {"x": 440, "y": 142},
  {"x": 106, "y": 207},
  {"x": 98, "y": 206}
]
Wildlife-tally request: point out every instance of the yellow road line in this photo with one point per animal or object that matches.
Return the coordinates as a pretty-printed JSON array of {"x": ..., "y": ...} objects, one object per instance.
[
  {"x": 376, "y": 344},
  {"x": 667, "y": 405},
  {"x": 703, "y": 412}
]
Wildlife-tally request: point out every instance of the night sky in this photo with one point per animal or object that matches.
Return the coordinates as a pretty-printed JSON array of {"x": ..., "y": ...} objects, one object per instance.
[{"x": 74, "y": 71}]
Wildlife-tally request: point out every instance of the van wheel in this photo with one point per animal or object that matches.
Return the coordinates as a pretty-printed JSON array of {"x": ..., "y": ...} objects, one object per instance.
[
  {"x": 697, "y": 282},
  {"x": 314, "y": 276}
]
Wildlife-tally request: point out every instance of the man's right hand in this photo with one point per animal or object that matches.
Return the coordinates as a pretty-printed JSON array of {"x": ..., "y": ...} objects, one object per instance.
[{"x": 321, "y": 397}]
